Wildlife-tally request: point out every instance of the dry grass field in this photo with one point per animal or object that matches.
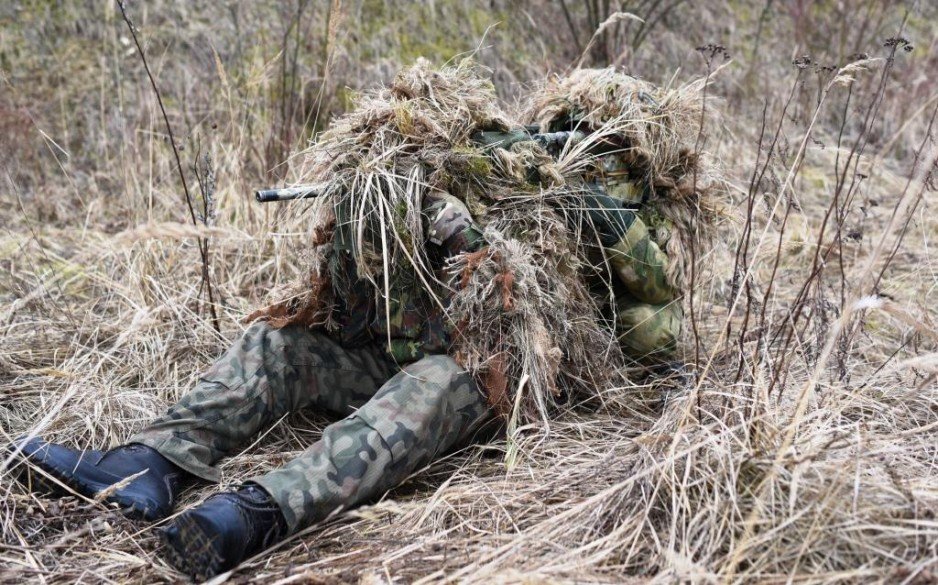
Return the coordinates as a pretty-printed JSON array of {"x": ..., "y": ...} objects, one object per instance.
[{"x": 803, "y": 450}]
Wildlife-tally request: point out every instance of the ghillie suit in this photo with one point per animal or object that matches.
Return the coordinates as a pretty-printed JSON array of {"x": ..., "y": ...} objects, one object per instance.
[
  {"x": 658, "y": 167},
  {"x": 640, "y": 147},
  {"x": 515, "y": 313}
]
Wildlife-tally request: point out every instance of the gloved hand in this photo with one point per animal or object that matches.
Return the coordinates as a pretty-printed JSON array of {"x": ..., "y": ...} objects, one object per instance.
[
  {"x": 607, "y": 217},
  {"x": 449, "y": 224}
]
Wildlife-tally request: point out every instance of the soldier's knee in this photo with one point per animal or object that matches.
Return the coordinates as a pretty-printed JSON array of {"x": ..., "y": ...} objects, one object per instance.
[
  {"x": 439, "y": 370},
  {"x": 440, "y": 380},
  {"x": 254, "y": 336},
  {"x": 265, "y": 337},
  {"x": 261, "y": 341},
  {"x": 661, "y": 338},
  {"x": 257, "y": 329}
]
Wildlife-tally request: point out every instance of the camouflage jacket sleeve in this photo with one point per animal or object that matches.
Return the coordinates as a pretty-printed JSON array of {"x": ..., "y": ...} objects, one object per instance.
[
  {"x": 641, "y": 265},
  {"x": 448, "y": 224}
]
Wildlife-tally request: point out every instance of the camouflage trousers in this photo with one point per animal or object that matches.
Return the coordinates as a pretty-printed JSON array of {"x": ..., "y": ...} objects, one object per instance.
[{"x": 396, "y": 420}]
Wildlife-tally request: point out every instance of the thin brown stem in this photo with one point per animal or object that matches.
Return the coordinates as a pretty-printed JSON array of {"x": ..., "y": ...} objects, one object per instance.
[{"x": 202, "y": 243}]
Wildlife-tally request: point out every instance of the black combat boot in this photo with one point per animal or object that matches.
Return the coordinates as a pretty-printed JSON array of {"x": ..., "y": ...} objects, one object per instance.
[
  {"x": 675, "y": 372},
  {"x": 222, "y": 531},
  {"x": 149, "y": 496}
]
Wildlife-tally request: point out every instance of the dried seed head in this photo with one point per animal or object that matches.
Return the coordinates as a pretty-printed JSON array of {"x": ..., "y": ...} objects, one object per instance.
[
  {"x": 711, "y": 51},
  {"x": 802, "y": 62}
]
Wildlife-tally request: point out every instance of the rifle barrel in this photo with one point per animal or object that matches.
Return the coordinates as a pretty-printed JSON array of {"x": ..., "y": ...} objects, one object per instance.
[{"x": 288, "y": 193}]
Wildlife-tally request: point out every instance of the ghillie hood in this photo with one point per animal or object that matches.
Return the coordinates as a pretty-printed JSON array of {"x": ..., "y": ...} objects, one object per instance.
[
  {"x": 659, "y": 132},
  {"x": 402, "y": 141}
]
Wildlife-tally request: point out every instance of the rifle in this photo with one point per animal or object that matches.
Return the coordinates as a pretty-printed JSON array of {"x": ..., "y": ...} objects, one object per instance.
[{"x": 553, "y": 142}]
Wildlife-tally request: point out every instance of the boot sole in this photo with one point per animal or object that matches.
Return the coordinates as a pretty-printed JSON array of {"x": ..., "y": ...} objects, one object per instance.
[{"x": 190, "y": 550}]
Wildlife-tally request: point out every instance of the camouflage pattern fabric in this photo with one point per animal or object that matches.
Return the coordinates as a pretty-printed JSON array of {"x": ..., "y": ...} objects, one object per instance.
[
  {"x": 449, "y": 224},
  {"x": 641, "y": 265},
  {"x": 263, "y": 376},
  {"x": 425, "y": 410},
  {"x": 649, "y": 314},
  {"x": 415, "y": 325},
  {"x": 648, "y": 332},
  {"x": 412, "y": 325},
  {"x": 396, "y": 420}
]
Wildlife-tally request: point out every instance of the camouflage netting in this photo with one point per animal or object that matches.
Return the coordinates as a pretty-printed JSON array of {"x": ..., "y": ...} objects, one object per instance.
[
  {"x": 523, "y": 320},
  {"x": 659, "y": 132}
]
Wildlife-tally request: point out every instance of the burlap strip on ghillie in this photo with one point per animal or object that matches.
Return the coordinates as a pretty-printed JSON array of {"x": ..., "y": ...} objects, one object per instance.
[
  {"x": 527, "y": 321},
  {"x": 312, "y": 301}
]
